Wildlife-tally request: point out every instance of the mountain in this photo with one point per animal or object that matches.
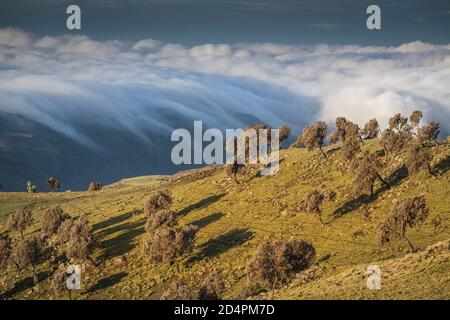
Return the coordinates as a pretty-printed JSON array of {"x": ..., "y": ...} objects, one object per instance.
[{"x": 234, "y": 219}]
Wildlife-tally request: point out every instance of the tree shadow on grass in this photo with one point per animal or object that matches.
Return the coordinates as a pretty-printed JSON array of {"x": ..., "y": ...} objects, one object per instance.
[
  {"x": 107, "y": 282},
  {"x": 203, "y": 222},
  {"x": 23, "y": 285},
  {"x": 394, "y": 179},
  {"x": 442, "y": 166},
  {"x": 115, "y": 220},
  {"x": 201, "y": 204},
  {"x": 222, "y": 243},
  {"x": 122, "y": 243}
]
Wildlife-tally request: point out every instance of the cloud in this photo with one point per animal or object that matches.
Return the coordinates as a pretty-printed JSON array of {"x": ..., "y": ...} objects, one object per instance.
[{"x": 67, "y": 82}]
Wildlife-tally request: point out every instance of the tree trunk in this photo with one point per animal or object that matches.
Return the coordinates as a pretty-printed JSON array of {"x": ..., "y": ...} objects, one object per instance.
[
  {"x": 323, "y": 153},
  {"x": 410, "y": 245},
  {"x": 35, "y": 276},
  {"x": 321, "y": 220},
  {"x": 371, "y": 190},
  {"x": 384, "y": 181}
]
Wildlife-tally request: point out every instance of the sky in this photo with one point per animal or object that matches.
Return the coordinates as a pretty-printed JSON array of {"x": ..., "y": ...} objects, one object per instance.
[
  {"x": 193, "y": 22},
  {"x": 136, "y": 63}
]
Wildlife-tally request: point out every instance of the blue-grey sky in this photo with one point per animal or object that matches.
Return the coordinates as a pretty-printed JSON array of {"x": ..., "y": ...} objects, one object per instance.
[{"x": 193, "y": 22}]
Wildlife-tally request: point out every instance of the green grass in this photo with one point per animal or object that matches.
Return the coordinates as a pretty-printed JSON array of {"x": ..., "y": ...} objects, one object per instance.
[{"x": 234, "y": 219}]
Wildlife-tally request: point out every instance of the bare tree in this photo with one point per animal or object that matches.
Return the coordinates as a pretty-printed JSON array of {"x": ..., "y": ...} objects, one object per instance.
[
  {"x": 415, "y": 118},
  {"x": 408, "y": 212}
]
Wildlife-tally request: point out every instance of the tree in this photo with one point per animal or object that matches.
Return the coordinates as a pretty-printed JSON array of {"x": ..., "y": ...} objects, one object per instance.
[
  {"x": 20, "y": 221},
  {"x": 166, "y": 245},
  {"x": 350, "y": 148},
  {"x": 232, "y": 170},
  {"x": 398, "y": 122},
  {"x": 53, "y": 183},
  {"x": 5, "y": 251},
  {"x": 418, "y": 157},
  {"x": 371, "y": 129},
  {"x": 59, "y": 281},
  {"x": 313, "y": 137},
  {"x": 161, "y": 218},
  {"x": 274, "y": 263},
  {"x": 52, "y": 220},
  {"x": 158, "y": 201},
  {"x": 212, "y": 287},
  {"x": 393, "y": 141},
  {"x": 429, "y": 132},
  {"x": 311, "y": 204},
  {"x": 284, "y": 133},
  {"x": 28, "y": 251},
  {"x": 367, "y": 172},
  {"x": 95, "y": 186},
  {"x": 415, "y": 118},
  {"x": 31, "y": 188},
  {"x": 178, "y": 290},
  {"x": 408, "y": 212},
  {"x": 81, "y": 242},
  {"x": 64, "y": 231}
]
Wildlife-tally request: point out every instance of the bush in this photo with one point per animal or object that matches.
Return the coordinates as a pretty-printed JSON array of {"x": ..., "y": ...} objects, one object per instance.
[
  {"x": 284, "y": 133},
  {"x": 367, "y": 171},
  {"x": 428, "y": 133},
  {"x": 275, "y": 263},
  {"x": 178, "y": 290},
  {"x": 311, "y": 204},
  {"x": 28, "y": 251},
  {"x": 52, "y": 220},
  {"x": 161, "y": 218},
  {"x": 63, "y": 233},
  {"x": 212, "y": 287},
  {"x": 95, "y": 186},
  {"x": 59, "y": 281},
  {"x": 159, "y": 201},
  {"x": 408, "y": 212},
  {"x": 166, "y": 245},
  {"x": 20, "y": 220}
]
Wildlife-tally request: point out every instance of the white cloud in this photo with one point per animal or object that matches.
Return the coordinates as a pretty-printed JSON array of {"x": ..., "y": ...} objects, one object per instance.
[{"x": 149, "y": 84}]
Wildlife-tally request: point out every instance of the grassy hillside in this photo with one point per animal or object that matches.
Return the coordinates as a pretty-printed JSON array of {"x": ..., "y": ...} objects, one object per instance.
[{"x": 234, "y": 219}]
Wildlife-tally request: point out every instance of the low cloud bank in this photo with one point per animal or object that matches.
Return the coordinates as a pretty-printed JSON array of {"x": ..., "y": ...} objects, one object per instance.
[{"x": 68, "y": 82}]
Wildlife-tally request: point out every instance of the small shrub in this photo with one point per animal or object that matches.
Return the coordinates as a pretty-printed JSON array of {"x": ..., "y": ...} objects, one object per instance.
[
  {"x": 81, "y": 240},
  {"x": 95, "y": 186},
  {"x": 313, "y": 137},
  {"x": 59, "y": 281},
  {"x": 5, "y": 251},
  {"x": 428, "y": 133},
  {"x": 161, "y": 218},
  {"x": 212, "y": 287},
  {"x": 371, "y": 129},
  {"x": 53, "y": 183},
  {"x": 275, "y": 263},
  {"x": 178, "y": 290},
  {"x": 417, "y": 157},
  {"x": 312, "y": 203}
]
